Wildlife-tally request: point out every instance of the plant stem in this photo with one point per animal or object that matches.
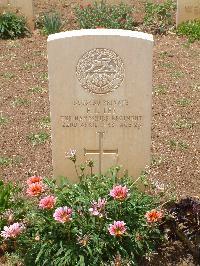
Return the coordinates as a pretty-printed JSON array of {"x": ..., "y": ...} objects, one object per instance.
[
  {"x": 120, "y": 209},
  {"x": 135, "y": 181},
  {"x": 91, "y": 172},
  {"x": 76, "y": 169}
]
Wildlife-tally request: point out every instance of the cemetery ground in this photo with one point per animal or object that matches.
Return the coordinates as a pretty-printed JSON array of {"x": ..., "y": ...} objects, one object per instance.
[{"x": 25, "y": 144}]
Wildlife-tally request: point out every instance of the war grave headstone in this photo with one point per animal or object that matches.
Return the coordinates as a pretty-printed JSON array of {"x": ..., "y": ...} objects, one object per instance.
[
  {"x": 100, "y": 85},
  {"x": 187, "y": 10},
  {"x": 24, "y": 7}
]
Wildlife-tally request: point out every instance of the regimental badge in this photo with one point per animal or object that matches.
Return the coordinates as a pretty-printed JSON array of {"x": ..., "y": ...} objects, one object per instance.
[{"x": 100, "y": 71}]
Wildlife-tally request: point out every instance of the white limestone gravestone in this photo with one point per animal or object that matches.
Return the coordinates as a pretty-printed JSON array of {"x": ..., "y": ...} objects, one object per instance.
[
  {"x": 187, "y": 10},
  {"x": 100, "y": 85},
  {"x": 24, "y": 7}
]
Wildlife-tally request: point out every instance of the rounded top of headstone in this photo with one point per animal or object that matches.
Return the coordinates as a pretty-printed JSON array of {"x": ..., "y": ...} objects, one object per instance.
[{"x": 101, "y": 32}]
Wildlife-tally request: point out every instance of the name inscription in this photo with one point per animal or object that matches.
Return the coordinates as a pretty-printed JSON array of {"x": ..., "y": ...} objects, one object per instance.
[{"x": 102, "y": 113}]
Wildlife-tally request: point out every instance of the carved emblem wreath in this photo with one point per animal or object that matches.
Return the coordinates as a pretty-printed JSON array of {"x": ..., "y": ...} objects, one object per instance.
[{"x": 100, "y": 71}]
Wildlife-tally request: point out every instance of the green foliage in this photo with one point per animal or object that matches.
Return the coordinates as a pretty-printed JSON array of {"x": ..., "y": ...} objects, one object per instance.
[
  {"x": 28, "y": 66},
  {"x": 38, "y": 138},
  {"x": 5, "y": 193},
  {"x": 102, "y": 15},
  {"x": 85, "y": 240},
  {"x": 51, "y": 23},
  {"x": 183, "y": 102},
  {"x": 12, "y": 26},
  {"x": 159, "y": 16},
  {"x": 49, "y": 236},
  {"x": 44, "y": 76},
  {"x": 157, "y": 160},
  {"x": 177, "y": 74},
  {"x": 7, "y": 161},
  {"x": 190, "y": 29},
  {"x": 10, "y": 203},
  {"x": 20, "y": 102},
  {"x": 3, "y": 120},
  {"x": 13, "y": 259},
  {"x": 183, "y": 124},
  {"x": 196, "y": 87},
  {"x": 8, "y": 75},
  {"x": 174, "y": 144},
  {"x": 160, "y": 89},
  {"x": 36, "y": 89},
  {"x": 45, "y": 122}
]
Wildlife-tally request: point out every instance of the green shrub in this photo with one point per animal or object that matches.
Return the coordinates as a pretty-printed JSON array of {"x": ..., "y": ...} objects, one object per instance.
[
  {"x": 106, "y": 16},
  {"x": 12, "y": 26},
  {"x": 103, "y": 220},
  {"x": 159, "y": 17},
  {"x": 82, "y": 235},
  {"x": 51, "y": 23},
  {"x": 85, "y": 240},
  {"x": 10, "y": 203},
  {"x": 5, "y": 193},
  {"x": 191, "y": 29},
  {"x": 38, "y": 138}
]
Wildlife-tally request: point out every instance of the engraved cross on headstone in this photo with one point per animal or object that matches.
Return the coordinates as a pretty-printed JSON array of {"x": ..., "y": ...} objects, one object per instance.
[{"x": 100, "y": 151}]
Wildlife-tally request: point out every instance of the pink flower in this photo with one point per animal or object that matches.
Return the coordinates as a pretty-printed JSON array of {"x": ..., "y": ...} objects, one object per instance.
[
  {"x": 34, "y": 179},
  {"x": 119, "y": 192},
  {"x": 47, "y": 202},
  {"x": 117, "y": 229},
  {"x": 98, "y": 207},
  {"x": 12, "y": 231},
  {"x": 63, "y": 214},
  {"x": 154, "y": 216},
  {"x": 35, "y": 189}
]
